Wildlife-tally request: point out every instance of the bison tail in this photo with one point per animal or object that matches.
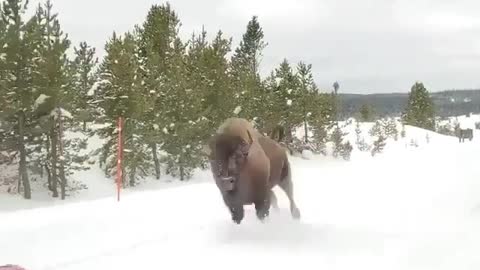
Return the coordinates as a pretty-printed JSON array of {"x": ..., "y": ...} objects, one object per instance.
[{"x": 286, "y": 172}]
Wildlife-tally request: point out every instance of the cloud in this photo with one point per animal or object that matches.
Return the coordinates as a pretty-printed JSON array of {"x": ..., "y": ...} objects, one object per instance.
[{"x": 368, "y": 46}]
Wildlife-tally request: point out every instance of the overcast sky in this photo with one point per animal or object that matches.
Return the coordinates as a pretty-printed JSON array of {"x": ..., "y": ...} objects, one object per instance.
[{"x": 368, "y": 46}]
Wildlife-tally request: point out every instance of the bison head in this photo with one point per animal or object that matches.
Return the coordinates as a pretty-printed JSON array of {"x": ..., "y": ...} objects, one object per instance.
[{"x": 228, "y": 155}]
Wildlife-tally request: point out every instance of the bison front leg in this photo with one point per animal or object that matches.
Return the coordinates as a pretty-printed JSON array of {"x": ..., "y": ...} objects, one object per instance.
[
  {"x": 237, "y": 214},
  {"x": 236, "y": 209}
]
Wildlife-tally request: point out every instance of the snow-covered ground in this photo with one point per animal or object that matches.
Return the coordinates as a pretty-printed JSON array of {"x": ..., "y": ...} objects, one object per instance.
[{"x": 407, "y": 208}]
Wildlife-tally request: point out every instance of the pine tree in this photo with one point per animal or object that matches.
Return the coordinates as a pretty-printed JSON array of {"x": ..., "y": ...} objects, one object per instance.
[
  {"x": 156, "y": 47},
  {"x": 390, "y": 127},
  {"x": 420, "y": 108},
  {"x": 122, "y": 96},
  {"x": 377, "y": 129},
  {"x": 208, "y": 67},
  {"x": 7, "y": 139},
  {"x": 366, "y": 113},
  {"x": 378, "y": 145},
  {"x": 184, "y": 113},
  {"x": 19, "y": 48},
  {"x": 340, "y": 147},
  {"x": 287, "y": 100},
  {"x": 83, "y": 68},
  {"x": 336, "y": 104},
  {"x": 321, "y": 120},
  {"x": 245, "y": 71},
  {"x": 59, "y": 156},
  {"x": 307, "y": 92},
  {"x": 360, "y": 141}
]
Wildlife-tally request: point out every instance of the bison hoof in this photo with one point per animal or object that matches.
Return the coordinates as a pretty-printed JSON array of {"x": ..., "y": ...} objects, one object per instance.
[
  {"x": 237, "y": 215},
  {"x": 262, "y": 214},
  {"x": 237, "y": 221}
]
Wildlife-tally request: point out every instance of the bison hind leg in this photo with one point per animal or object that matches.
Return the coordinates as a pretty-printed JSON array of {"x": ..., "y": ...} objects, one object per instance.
[
  {"x": 236, "y": 209},
  {"x": 287, "y": 186}
]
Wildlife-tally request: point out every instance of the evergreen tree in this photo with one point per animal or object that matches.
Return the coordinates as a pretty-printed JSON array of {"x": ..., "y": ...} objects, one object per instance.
[
  {"x": 377, "y": 129},
  {"x": 336, "y": 106},
  {"x": 249, "y": 92},
  {"x": 336, "y": 86},
  {"x": 208, "y": 67},
  {"x": 340, "y": 146},
  {"x": 59, "y": 156},
  {"x": 83, "y": 68},
  {"x": 183, "y": 110},
  {"x": 390, "y": 128},
  {"x": 420, "y": 108},
  {"x": 378, "y": 145},
  {"x": 321, "y": 120},
  {"x": 366, "y": 113},
  {"x": 287, "y": 100},
  {"x": 156, "y": 46},
  {"x": 307, "y": 92},
  {"x": 360, "y": 141},
  {"x": 122, "y": 96},
  {"x": 18, "y": 64}
]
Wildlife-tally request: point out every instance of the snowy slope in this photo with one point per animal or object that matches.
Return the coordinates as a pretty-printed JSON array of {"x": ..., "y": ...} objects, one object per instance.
[{"x": 405, "y": 209}]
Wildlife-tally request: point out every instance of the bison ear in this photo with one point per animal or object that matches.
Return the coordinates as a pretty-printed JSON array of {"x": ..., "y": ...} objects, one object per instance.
[{"x": 245, "y": 146}]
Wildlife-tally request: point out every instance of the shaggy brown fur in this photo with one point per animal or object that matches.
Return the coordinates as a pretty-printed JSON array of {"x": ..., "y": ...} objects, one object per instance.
[{"x": 246, "y": 166}]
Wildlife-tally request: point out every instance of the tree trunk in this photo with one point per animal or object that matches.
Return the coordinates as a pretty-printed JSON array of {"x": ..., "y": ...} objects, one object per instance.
[
  {"x": 155, "y": 160},
  {"x": 47, "y": 168},
  {"x": 63, "y": 183},
  {"x": 27, "y": 192},
  {"x": 84, "y": 126},
  {"x": 54, "y": 142},
  {"x": 306, "y": 130},
  {"x": 19, "y": 186},
  {"x": 49, "y": 178},
  {"x": 182, "y": 173},
  {"x": 132, "y": 177}
]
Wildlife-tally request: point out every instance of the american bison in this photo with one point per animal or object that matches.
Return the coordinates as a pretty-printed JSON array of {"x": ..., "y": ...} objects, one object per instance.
[{"x": 246, "y": 166}]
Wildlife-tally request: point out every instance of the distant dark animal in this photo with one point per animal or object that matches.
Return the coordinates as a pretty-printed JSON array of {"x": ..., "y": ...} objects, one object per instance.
[
  {"x": 246, "y": 166},
  {"x": 465, "y": 134}
]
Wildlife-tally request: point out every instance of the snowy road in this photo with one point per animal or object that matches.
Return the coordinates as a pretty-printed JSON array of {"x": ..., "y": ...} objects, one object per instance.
[{"x": 417, "y": 209}]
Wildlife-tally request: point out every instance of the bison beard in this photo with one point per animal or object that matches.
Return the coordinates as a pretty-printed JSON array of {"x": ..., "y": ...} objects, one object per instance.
[{"x": 246, "y": 166}]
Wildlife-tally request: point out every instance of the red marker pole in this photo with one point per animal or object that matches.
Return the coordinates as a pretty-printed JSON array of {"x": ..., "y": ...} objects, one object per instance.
[{"x": 119, "y": 156}]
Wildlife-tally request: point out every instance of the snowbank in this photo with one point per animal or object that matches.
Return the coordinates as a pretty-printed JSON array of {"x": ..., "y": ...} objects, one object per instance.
[{"x": 398, "y": 211}]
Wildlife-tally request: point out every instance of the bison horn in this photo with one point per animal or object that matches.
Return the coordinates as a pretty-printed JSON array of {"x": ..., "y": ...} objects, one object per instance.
[{"x": 249, "y": 137}]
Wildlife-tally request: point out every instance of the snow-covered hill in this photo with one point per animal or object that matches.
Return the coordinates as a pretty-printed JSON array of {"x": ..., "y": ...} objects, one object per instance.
[{"x": 408, "y": 208}]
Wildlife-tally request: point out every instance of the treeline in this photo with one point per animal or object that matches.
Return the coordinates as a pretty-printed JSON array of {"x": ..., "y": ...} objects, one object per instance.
[
  {"x": 447, "y": 103},
  {"x": 171, "y": 93}
]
